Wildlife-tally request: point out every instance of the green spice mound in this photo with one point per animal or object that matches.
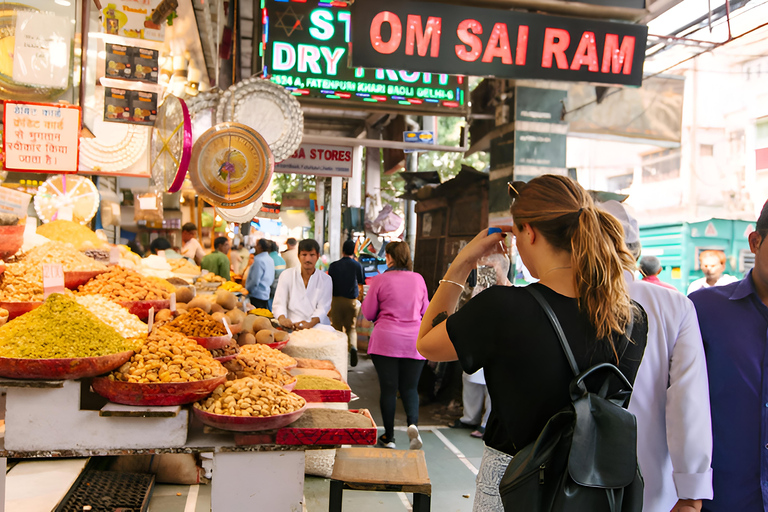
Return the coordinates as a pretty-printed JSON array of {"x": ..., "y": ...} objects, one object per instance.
[{"x": 60, "y": 328}]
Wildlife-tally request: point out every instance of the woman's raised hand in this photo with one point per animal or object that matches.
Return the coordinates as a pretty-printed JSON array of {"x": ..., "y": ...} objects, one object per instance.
[{"x": 480, "y": 246}]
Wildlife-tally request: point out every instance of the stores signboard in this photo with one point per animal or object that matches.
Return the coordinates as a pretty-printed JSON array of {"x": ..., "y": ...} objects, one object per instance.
[
  {"x": 305, "y": 47},
  {"x": 318, "y": 160},
  {"x": 439, "y": 38},
  {"x": 39, "y": 137}
]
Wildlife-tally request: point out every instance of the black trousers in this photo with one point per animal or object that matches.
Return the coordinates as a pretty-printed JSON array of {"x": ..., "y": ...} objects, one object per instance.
[
  {"x": 258, "y": 303},
  {"x": 398, "y": 373}
]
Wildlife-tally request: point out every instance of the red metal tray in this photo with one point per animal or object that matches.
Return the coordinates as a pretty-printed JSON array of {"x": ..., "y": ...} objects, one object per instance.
[
  {"x": 76, "y": 278},
  {"x": 161, "y": 393},
  {"x": 278, "y": 345},
  {"x": 324, "y": 395},
  {"x": 56, "y": 369},
  {"x": 247, "y": 423},
  {"x": 18, "y": 308},
  {"x": 141, "y": 308},
  {"x": 213, "y": 342},
  {"x": 328, "y": 436}
]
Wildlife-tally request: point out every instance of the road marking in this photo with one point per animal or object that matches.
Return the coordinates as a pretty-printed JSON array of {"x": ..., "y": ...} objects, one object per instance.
[
  {"x": 192, "y": 498},
  {"x": 406, "y": 503},
  {"x": 455, "y": 450}
]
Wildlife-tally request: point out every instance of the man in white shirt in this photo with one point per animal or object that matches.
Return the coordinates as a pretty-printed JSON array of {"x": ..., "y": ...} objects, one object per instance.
[
  {"x": 304, "y": 294},
  {"x": 191, "y": 248},
  {"x": 712, "y": 263},
  {"x": 291, "y": 254},
  {"x": 671, "y": 394}
]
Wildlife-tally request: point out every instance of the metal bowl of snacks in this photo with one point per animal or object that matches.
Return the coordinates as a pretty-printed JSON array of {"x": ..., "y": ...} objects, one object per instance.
[
  {"x": 213, "y": 342},
  {"x": 247, "y": 423},
  {"x": 291, "y": 385},
  {"x": 11, "y": 240},
  {"x": 58, "y": 369},
  {"x": 76, "y": 278},
  {"x": 161, "y": 393},
  {"x": 141, "y": 308},
  {"x": 15, "y": 309}
]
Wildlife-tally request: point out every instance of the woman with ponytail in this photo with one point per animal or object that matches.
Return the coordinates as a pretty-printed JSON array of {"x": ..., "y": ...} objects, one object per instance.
[{"x": 578, "y": 254}]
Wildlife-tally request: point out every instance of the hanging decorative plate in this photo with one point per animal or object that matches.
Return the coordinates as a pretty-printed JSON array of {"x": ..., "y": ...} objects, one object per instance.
[
  {"x": 231, "y": 165},
  {"x": 171, "y": 146},
  {"x": 239, "y": 215},
  {"x": 202, "y": 110},
  {"x": 267, "y": 108},
  {"x": 116, "y": 147},
  {"x": 67, "y": 197}
]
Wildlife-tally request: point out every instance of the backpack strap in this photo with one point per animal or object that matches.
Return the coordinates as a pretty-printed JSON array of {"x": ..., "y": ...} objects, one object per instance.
[{"x": 556, "y": 325}]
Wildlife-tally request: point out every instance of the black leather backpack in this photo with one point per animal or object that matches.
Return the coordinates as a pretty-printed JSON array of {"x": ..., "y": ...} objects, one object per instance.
[{"x": 585, "y": 458}]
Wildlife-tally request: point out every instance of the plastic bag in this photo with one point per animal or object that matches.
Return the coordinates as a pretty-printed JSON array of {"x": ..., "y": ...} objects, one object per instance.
[
  {"x": 148, "y": 205},
  {"x": 493, "y": 269}
]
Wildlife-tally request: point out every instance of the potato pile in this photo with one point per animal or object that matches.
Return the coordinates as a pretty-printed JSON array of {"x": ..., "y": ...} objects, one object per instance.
[
  {"x": 196, "y": 323},
  {"x": 258, "y": 329},
  {"x": 251, "y": 397},
  {"x": 222, "y": 304},
  {"x": 122, "y": 285},
  {"x": 167, "y": 356}
]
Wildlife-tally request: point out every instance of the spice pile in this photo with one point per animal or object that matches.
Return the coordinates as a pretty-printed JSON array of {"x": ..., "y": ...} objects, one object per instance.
[
  {"x": 314, "y": 382},
  {"x": 113, "y": 315},
  {"x": 119, "y": 284},
  {"x": 71, "y": 232},
  {"x": 332, "y": 418},
  {"x": 184, "y": 266},
  {"x": 167, "y": 356},
  {"x": 60, "y": 328},
  {"x": 196, "y": 323},
  {"x": 251, "y": 397}
]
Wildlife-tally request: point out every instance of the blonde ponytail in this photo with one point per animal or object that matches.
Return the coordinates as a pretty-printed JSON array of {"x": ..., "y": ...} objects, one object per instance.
[{"x": 566, "y": 216}]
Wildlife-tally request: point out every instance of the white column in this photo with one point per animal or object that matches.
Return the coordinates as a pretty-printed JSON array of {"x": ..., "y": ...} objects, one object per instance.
[
  {"x": 334, "y": 221},
  {"x": 354, "y": 189},
  {"x": 320, "y": 213}
]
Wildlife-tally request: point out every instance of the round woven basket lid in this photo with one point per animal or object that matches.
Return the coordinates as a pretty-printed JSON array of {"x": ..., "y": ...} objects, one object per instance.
[
  {"x": 171, "y": 147},
  {"x": 67, "y": 197},
  {"x": 231, "y": 166}
]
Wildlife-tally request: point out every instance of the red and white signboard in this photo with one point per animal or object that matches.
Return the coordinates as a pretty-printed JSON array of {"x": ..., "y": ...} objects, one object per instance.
[
  {"x": 40, "y": 137},
  {"x": 318, "y": 160}
]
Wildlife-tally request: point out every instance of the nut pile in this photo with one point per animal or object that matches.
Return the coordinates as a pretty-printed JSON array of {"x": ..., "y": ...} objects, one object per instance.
[
  {"x": 113, "y": 315},
  {"x": 184, "y": 266},
  {"x": 197, "y": 323},
  {"x": 243, "y": 366},
  {"x": 71, "y": 232},
  {"x": 267, "y": 354},
  {"x": 251, "y": 397},
  {"x": 59, "y": 252},
  {"x": 120, "y": 284},
  {"x": 168, "y": 357}
]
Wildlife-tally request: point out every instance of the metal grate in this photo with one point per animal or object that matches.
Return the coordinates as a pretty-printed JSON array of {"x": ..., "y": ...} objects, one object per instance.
[{"x": 109, "y": 491}]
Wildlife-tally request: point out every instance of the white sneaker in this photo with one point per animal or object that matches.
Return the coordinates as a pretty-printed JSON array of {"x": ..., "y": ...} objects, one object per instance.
[{"x": 415, "y": 437}]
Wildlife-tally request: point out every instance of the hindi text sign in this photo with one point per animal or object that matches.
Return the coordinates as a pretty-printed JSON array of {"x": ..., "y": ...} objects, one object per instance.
[{"x": 41, "y": 137}]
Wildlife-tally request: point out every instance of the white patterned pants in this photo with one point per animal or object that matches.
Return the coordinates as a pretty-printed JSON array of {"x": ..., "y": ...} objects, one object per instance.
[{"x": 492, "y": 468}]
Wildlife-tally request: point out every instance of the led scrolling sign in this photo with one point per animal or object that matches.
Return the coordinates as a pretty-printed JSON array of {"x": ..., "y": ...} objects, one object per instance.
[{"x": 305, "y": 48}]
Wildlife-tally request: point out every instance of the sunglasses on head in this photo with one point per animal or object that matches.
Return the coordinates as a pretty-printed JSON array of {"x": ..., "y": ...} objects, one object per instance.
[{"x": 514, "y": 188}]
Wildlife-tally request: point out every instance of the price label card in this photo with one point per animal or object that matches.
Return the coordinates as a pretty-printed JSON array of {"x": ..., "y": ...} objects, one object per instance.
[
  {"x": 65, "y": 213},
  {"x": 173, "y": 302},
  {"x": 147, "y": 203},
  {"x": 226, "y": 326},
  {"x": 150, "y": 320},
  {"x": 114, "y": 255},
  {"x": 53, "y": 279}
]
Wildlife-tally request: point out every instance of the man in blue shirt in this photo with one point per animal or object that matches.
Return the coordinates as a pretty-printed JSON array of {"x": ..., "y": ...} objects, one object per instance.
[
  {"x": 261, "y": 275},
  {"x": 734, "y": 326},
  {"x": 279, "y": 267},
  {"x": 348, "y": 281}
]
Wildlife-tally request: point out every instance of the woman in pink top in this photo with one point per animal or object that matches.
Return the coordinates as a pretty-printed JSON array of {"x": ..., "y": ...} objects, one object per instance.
[{"x": 395, "y": 302}]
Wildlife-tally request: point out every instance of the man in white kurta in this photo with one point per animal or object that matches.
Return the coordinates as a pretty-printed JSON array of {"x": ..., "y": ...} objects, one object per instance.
[
  {"x": 303, "y": 295},
  {"x": 671, "y": 395}
]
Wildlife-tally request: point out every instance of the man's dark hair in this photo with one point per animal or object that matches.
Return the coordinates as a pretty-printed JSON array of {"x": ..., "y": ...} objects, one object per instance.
[
  {"x": 308, "y": 245},
  {"x": 219, "y": 241},
  {"x": 189, "y": 226},
  {"x": 264, "y": 244},
  {"x": 136, "y": 247},
  {"x": 762, "y": 221},
  {"x": 273, "y": 246},
  {"x": 159, "y": 244},
  {"x": 650, "y": 265},
  {"x": 291, "y": 242},
  {"x": 348, "y": 249}
]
